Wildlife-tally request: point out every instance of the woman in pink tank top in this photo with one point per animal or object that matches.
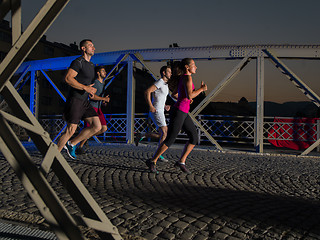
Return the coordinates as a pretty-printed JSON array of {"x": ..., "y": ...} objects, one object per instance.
[{"x": 179, "y": 118}]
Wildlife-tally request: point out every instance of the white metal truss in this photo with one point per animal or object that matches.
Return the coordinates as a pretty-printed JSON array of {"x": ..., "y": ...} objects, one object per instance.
[
  {"x": 244, "y": 53},
  {"x": 33, "y": 178}
]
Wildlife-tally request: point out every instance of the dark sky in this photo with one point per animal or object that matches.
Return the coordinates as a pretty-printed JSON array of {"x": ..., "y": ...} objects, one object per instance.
[{"x": 139, "y": 24}]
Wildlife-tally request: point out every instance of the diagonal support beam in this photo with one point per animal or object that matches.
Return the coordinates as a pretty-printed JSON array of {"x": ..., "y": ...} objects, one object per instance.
[
  {"x": 53, "y": 85},
  {"x": 234, "y": 72},
  {"x": 313, "y": 146},
  {"x": 121, "y": 59},
  {"x": 16, "y": 19},
  {"x": 293, "y": 78},
  {"x": 31, "y": 177},
  {"x": 36, "y": 185},
  {"x": 22, "y": 76},
  {"x": 211, "y": 139},
  {"x": 55, "y": 161},
  {"x": 111, "y": 80},
  {"x": 300, "y": 85},
  {"x": 140, "y": 59},
  {"x": 27, "y": 126},
  {"x": 212, "y": 94}
]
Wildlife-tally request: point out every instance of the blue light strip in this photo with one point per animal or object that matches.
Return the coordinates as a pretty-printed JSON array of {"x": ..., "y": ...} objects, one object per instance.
[
  {"x": 107, "y": 85},
  {"x": 32, "y": 91},
  {"x": 53, "y": 85},
  {"x": 22, "y": 76},
  {"x": 58, "y": 135},
  {"x": 23, "y": 83}
]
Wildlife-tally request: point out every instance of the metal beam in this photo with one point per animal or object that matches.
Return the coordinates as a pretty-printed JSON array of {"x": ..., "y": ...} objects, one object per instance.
[
  {"x": 223, "y": 52},
  {"x": 22, "y": 76},
  {"x": 140, "y": 59},
  {"x": 16, "y": 20},
  {"x": 131, "y": 85},
  {"x": 293, "y": 78},
  {"x": 258, "y": 141},
  {"x": 120, "y": 60},
  {"x": 212, "y": 94},
  {"x": 111, "y": 80},
  {"x": 234, "y": 72},
  {"x": 50, "y": 206},
  {"x": 36, "y": 185},
  {"x": 53, "y": 85},
  {"x": 211, "y": 139},
  {"x": 299, "y": 84}
]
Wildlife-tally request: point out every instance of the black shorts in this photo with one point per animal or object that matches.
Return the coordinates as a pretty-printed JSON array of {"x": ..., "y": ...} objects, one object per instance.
[{"x": 78, "y": 109}]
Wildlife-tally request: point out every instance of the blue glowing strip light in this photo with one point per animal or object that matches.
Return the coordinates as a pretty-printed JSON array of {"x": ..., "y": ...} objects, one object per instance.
[
  {"x": 23, "y": 83},
  {"x": 164, "y": 54},
  {"x": 111, "y": 80},
  {"x": 53, "y": 85},
  {"x": 58, "y": 135},
  {"x": 32, "y": 92},
  {"x": 121, "y": 59},
  {"x": 22, "y": 76}
]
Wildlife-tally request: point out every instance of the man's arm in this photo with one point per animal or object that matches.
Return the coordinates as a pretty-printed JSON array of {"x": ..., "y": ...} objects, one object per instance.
[
  {"x": 72, "y": 82},
  {"x": 147, "y": 95},
  {"x": 98, "y": 98}
]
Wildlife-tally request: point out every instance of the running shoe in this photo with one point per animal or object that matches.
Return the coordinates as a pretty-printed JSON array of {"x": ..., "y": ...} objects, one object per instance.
[
  {"x": 71, "y": 150},
  {"x": 152, "y": 166},
  {"x": 182, "y": 167},
  {"x": 163, "y": 159}
]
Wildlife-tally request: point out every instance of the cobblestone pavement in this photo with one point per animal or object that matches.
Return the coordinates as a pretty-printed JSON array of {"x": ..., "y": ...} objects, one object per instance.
[{"x": 227, "y": 196}]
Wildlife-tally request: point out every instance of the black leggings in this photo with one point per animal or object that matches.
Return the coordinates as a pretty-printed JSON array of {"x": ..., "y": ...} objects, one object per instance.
[{"x": 180, "y": 120}]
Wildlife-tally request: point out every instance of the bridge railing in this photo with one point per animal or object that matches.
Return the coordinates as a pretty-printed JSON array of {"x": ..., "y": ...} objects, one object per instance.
[{"x": 232, "y": 129}]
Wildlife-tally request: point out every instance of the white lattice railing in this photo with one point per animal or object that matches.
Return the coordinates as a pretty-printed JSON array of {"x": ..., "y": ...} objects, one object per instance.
[
  {"x": 298, "y": 131},
  {"x": 221, "y": 128}
]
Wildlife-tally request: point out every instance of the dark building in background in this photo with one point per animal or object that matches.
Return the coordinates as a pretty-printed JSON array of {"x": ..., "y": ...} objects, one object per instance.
[{"x": 49, "y": 101}]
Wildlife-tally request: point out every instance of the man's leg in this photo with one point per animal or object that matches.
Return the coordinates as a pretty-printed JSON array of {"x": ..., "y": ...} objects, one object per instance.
[
  {"x": 70, "y": 130},
  {"x": 142, "y": 135},
  {"x": 103, "y": 129},
  {"x": 163, "y": 133},
  {"x": 88, "y": 132}
]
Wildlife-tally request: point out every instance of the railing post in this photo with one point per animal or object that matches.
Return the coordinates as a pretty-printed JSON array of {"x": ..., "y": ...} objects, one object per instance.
[
  {"x": 254, "y": 131},
  {"x": 318, "y": 134}
]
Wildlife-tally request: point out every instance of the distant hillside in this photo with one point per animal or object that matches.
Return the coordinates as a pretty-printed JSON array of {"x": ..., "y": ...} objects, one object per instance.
[
  {"x": 289, "y": 109},
  {"x": 271, "y": 109}
]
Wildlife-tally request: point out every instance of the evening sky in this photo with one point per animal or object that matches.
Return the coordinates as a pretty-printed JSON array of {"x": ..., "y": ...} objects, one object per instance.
[{"x": 140, "y": 24}]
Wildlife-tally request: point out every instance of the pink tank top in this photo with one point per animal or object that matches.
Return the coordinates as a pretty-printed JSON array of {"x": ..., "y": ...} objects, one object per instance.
[{"x": 183, "y": 103}]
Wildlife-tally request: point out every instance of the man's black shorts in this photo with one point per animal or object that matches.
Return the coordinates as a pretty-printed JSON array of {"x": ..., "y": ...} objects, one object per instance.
[{"x": 78, "y": 109}]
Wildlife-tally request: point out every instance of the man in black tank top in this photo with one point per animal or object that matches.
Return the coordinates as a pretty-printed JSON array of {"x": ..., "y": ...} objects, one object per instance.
[{"x": 79, "y": 77}]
